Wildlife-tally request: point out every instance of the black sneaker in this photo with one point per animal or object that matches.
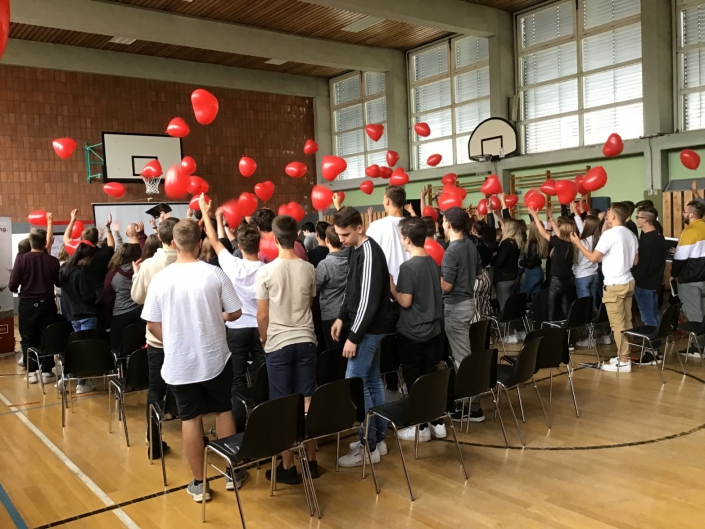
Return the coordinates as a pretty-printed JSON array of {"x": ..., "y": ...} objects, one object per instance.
[
  {"x": 313, "y": 467},
  {"x": 647, "y": 359},
  {"x": 477, "y": 416},
  {"x": 287, "y": 477},
  {"x": 456, "y": 415}
]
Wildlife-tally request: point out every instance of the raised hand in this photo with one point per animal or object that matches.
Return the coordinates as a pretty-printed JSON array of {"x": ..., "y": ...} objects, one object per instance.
[
  {"x": 74, "y": 214},
  {"x": 107, "y": 222}
]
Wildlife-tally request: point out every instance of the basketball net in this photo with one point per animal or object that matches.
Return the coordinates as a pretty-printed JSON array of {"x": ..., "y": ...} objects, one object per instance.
[
  {"x": 152, "y": 184},
  {"x": 483, "y": 158}
]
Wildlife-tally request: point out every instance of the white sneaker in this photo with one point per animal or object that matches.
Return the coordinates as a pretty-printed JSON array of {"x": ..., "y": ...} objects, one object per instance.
[
  {"x": 409, "y": 434},
  {"x": 690, "y": 354},
  {"x": 438, "y": 432},
  {"x": 33, "y": 379},
  {"x": 614, "y": 360},
  {"x": 381, "y": 447},
  {"x": 85, "y": 388},
  {"x": 20, "y": 361},
  {"x": 48, "y": 377},
  {"x": 605, "y": 340},
  {"x": 510, "y": 338},
  {"x": 584, "y": 343},
  {"x": 521, "y": 335},
  {"x": 622, "y": 367},
  {"x": 354, "y": 457}
]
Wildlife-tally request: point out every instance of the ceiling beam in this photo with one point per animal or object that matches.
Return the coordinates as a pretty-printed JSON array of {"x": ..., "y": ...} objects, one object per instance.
[
  {"x": 456, "y": 16},
  {"x": 111, "y": 19}
]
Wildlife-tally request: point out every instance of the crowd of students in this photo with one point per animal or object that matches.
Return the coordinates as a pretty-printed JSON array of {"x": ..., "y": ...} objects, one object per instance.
[{"x": 215, "y": 304}]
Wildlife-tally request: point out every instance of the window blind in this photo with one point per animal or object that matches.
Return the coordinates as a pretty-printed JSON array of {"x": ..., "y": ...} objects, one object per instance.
[
  {"x": 431, "y": 96},
  {"x": 469, "y": 116},
  {"x": 612, "y": 86},
  {"x": 431, "y": 62},
  {"x": 599, "y": 12},
  {"x": 694, "y": 111},
  {"x": 442, "y": 147},
  {"x": 553, "y": 63},
  {"x": 374, "y": 83},
  {"x": 548, "y": 100},
  {"x": 355, "y": 169},
  {"x": 348, "y": 118},
  {"x": 347, "y": 90},
  {"x": 627, "y": 121},
  {"x": 612, "y": 47},
  {"x": 552, "y": 134},
  {"x": 547, "y": 24},
  {"x": 470, "y": 50},
  {"x": 472, "y": 85}
]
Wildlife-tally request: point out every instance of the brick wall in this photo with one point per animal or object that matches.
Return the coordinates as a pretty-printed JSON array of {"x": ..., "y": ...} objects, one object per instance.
[{"x": 37, "y": 106}]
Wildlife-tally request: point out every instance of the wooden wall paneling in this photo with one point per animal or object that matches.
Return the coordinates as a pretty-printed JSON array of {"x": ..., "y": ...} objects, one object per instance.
[
  {"x": 677, "y": 213},
  {"x": 667, "y": 221}
]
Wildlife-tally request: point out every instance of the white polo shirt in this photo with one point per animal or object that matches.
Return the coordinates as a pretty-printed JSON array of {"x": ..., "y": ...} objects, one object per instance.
[{"x": 619, "y": 247}]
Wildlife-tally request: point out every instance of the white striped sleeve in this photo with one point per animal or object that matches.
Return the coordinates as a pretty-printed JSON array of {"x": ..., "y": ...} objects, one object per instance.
[
  {"x": 365, "y": 282},
  {"x": 231, "y": 301}
]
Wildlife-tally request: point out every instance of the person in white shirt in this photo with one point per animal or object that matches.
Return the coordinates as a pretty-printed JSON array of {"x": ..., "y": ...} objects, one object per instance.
[
  {"x": 617, "y": 249},
  {"x": 186, "y": 307},
  {"x": 585, "y": 271},
  {"x": 385, "y": 232}
]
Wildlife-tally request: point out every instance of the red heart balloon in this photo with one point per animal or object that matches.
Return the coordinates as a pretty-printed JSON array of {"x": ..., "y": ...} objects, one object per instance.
[
  {"x": 341, "y": 196},
  {"x": 321, "y": 197},
  {"x": 177, "y": 128},
  {"x": 37, "y": 218},
  {"x": 115, "y": 189},
  {"x": 595, "y": 178},
  {"x": 399, "y": 177},
  {"x": 435, "y": 250},
  {"x": 549, "y": 187},
  {"x": 264, "y": 190},
  {"x": 511, "y": 201},
  {"x": 535, "y": 200},
  {"x": 581, "y": 186},
  {"x": 492, "y": 186},
  {"x": 332, "y": 167},
  {"x": 566, "y": 191},
  {"x": 247, "y": 166},
  {"x": 4, "y": 24},
  {"x": 310, "y": 147},
  {"x": 293, "y": 209},
  {"x": 372, "y": 171},
  {"x": 449, "y": 200},
  {"x": 495, "y": 203},
  {"x": 613, "y": 146},
  {"x": 152, "y": 169},
  {"x": 455, "y": 190},
  {"x": 188, "y": 165},
  {"x": 197, "y": 185},
  {"x": 374, "y": 131},
  {"x": 430, "y": 211},
  {"x": 690, "y": 159},
  {"x": 205, "y": 106},
  {"x": 64, "y": 147},
  {"x": 482, "y": 207},
  {"x": 367, "y": 187},
  {"x": 71, "y": 246},
  {"x": 176, "y": 183},
  {"x": 385, "y": 172},
  {"x": 434, "y": 160},
  {"x": 193, "y": 205},
  {"x": 422, "y": 129},
  {"x": 392, "y": 158},
  {"x": 449, "y": 179},
  {"x": 247, "y": 203},
  {"x": 231, "y": 212},
  {"x": 296, "y": 169},
  {"x": 268, "y": 247}
]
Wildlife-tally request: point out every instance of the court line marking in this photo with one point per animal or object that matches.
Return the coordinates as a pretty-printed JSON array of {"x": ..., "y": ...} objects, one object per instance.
[
  {"x": 11, "y": 510},
  {"x": 47, "y": 405},
  {"x": 88, "y": 482}
]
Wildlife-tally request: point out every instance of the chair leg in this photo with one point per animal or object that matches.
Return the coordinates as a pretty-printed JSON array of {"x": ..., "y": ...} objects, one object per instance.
[
  {"x": 521, "y": 405},
  {"x": 273, "y": 477},
  {"x": 63, "y": 405},
  {"x": 124, "y": 419},
  {"x": 366, "y": 448},
  {"x": 572, "y": 389},
  {"x": 110, "y": 409},
  {"x": 337, "y": 452},
  {"x": 495, "y": 399},
  {"x": 161, "y": 452},
  {"x": 306, "y": 470},
  {"x": 205, "y": 483},
  {"x": 457, "y": 445},
  {"x": 550, "y": 385},
  {"x": 538, "y": 394},
  {"x": 237, "y": 496},
  {"x": 304, "y": 479},
  {"x": 673, "y": 345},
  {"x": 403, "y": 463},
  {"x": 416, "y": 442},
  {"x": 511, "y": 408}
]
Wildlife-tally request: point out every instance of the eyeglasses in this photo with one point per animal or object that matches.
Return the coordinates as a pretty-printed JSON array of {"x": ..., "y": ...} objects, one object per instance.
[{"x": 642, "y": 218}]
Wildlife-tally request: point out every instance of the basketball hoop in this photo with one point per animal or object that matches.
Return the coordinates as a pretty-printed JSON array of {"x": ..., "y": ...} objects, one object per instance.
[
  {"x": 152, "y": 184},
  {"x": 482, "y": 158}
]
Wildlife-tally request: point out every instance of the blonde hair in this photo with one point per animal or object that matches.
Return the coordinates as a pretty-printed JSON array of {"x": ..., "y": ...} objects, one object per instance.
[
  {"x": 187, "y": 235},
  {"x": 511, "y": 229},
  {"x": 536, "y": 237},
  {"x": 565, "y": 228}
]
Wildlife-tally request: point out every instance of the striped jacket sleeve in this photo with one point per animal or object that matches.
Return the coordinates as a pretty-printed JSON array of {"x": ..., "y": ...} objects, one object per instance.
[
  {"x": 371, "y": 275},
  {"x": 689, "y": 260}
]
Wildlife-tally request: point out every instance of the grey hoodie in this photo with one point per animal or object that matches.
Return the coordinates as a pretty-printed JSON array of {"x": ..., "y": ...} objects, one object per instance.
[{"x": 331, "y": 279}]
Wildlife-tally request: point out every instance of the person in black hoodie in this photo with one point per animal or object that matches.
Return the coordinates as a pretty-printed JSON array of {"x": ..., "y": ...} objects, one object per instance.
[
  {"x": 506, "y": 261},
  {"x": 367, "y": 309}
]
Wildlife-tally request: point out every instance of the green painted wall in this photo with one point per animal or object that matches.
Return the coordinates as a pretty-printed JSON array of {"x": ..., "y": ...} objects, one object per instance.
[{"x": 677, "y": 171}]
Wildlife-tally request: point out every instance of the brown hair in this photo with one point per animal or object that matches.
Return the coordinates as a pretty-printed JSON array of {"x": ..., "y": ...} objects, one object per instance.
[
  {"x": 90, "y": 234},
  {"x": 415, "y": 229},
  {"x": 248, "y": 238},
  {"x": 285, "y": 230},
  {"x": 396, "y": 195},
  {"x": 621, "y": 211},
  {"x": 207, "y": 252},
  {"x": 166, "y": 230},
  {"x": 187, "y": 234},
  {"x": 333, "y": 238},
  {"x": 125, "y": 253},
  {"x": 151, "y": 245},
  {"x": 347, "y": 217}
]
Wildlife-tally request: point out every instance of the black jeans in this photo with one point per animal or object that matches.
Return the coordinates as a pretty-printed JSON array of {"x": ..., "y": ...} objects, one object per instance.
[
  {"x": 34, "y": 316},
  {"x": 244, "y": 344},
  {"x": 330, "y": 343},
  {"x": 559, "y": 293},
  {"x": 157, "y": 387},
  {"x": 418, "y": 358}
]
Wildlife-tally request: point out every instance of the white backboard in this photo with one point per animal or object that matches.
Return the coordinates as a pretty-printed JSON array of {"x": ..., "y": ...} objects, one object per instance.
[{"x": 127, "y": 154}]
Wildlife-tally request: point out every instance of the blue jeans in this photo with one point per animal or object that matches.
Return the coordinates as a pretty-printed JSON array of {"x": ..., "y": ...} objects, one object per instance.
[
  {"x": 533, "y": 279},
  {"x": 587, "y": 286},
  {"x": 86, "y": 324},
  {"x": 365, "y": 364},
  {"x": 647, "y": 301}
]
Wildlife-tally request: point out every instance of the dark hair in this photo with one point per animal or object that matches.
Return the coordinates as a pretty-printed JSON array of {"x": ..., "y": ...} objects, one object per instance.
[
  {"x": 248, "y": 238},
  {"x": 125, "y": 253},
  {"x": 24, "y": 246},
  {"x": 415, "y": 229},
  {"x": 621, "y": 210},
  {"x": 644, "y": 204},
  {"x": 591, "y": 228},
  {"x": 430, "y": 226},
  {"x": 333, "y": 238},
  {"x": 347, "y": 216},
  {"x": 441, "y": 231},
  {"x": 151, "y": 245},
  {"x": 307, "y": 226},
  {"x": 321, "y": 228},
  {"x": 594, "y": 211},
  {"x": 38, "y": 239},
  {"x": 284, "y": 228},
  {"x": 166, "y": 230},
  {"x": 396, "y": 195},
  {"x": 698, "y": 208},
  {"x": 81, "y": 257},
  {"x": 629, "y": 205},
  {"x": 90, "y": 234},
  {"x": 263, "y": 219},
  {"x": 649, "y": 214}
]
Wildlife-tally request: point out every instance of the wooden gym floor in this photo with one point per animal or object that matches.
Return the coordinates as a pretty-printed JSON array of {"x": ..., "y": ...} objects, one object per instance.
[{"x": 634, "y": 459}]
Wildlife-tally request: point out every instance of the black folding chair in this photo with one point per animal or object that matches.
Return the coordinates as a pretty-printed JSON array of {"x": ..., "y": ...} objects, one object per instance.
[
  {"x": 55, "y": 336},
  {"x": 136, "y": 379},
  {"x": 274, "y": 427},
  {"x": 389, "y": 361},
  {"x": 514, "y": 310},
  {"x": 133, "y": 337},
  {"x": 430, "y": 399},
  {"x": 256, "y": 394},
  {"x": 579, "y": 317},
  {"x": 331, "y": 366},
  {"x": 157, "y": 415},
  {"x": 694, "y": 330},
  {"x": 90, "y": 334},
  {"x": 480, "y": 335}
]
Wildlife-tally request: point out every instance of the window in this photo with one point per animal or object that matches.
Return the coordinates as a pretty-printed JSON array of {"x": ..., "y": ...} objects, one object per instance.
[
  {"x": 358, "y": 100},
  {"x": 691, "y": 65},
  {"x": 450, "y": 90},
  {"x": 580, "y": 73}
]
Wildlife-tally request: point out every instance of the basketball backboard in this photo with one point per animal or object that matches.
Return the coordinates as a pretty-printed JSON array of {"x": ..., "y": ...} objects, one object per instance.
[
  {"x": 492, "y": 139},
  {"x": 126, "y": 154}
]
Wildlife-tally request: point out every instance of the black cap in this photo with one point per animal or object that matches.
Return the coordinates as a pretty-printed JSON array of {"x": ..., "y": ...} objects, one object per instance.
[{"x": 157, "y": 210}]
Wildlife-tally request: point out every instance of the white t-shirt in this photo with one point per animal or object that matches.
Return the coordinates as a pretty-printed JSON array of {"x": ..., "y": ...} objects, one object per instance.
[
  {"x": 243, "y": 274},
  {"x": 619, "y": 247},
  {"x": 584, "y": 268},
  {"x": 385, "y": 232},
  {"x": 189, "y": 299}
]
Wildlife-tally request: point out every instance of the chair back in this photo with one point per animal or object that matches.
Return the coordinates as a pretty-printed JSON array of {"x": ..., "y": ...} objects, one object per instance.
[
  {"x": 55, "y": 337},
  {"x": 669, "y": 321},
  {"x": 133, "y": 338},
  {"x": 273, "y": 427},
  {"x": 331, "y": 366},
  {"x": 480, "y": 335},
  {"x": 553, "y": 349},
  {"x": 514, "y": 308},
  {"x": 88, "y": 358},
  {"x": 474, "y": 374},
  {"x": 429, "y": 398},
  {"x": 525, "y": 366},
  {"x": 137, "y": 373},
  {"x": 601, "y": 316},
  {"x": 261, "y": 387},
  {"x": 90, "y": 334},
  {"x": 389, "y": 355},
  {"x": 334, "y": 407},
  {"x": 580, "y": 313}
]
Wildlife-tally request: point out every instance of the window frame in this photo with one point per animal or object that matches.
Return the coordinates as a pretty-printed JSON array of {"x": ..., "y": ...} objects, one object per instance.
[{"x": 679, "y": 62}]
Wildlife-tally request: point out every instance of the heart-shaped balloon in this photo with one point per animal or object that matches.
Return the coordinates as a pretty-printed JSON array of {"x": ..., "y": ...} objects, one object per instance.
[
  {"x": 296, "y": 169},
  {"x": 492, "y": 186},
  {"x": 247, "y": 166},
  {"x": 374, "y": 131},
  {"x": 449, "y": 179},
  {"x": 595, "y": 178},
  {"x": 197, "y": 185},
  {"x": 205, "y": 106},
  {"x": 71, "y": 246},
  {"x": 231, "y": 212},
  {"x": 435, "y": 250},
  {"x": 566, "y": 191},
  {"x": 392, "y": 158},
  {"x": 152, "y": 169},
  {"x": 449, "y": 200},
  {"x": 385, "y": 172},
  {"x": 247, "y": 203},
  {"x": 268, "y": 247},
  {"x": 534, "y": 200},
  {"x": 310, "y": 147},
  {"x": 37, "y": 218},
  {"x": 264, "y": 190},
  {"x": 430, "y": 211},
  {"x": 367, "y": 187},
  {"x": 549, "y": 187},
  {"x": 613, "y": 146},
  {"x": 341, "y": 196},
  {"x": 455, "y": 190},
  {"x": 188, "y": 165},
  {"x": 193, "y": 205},
  {"x": 293, "y": 209},
  {"x": 176, "y": 183},
  {"x": 321, "y": 197},
  {"x": 64, "y": 147},
  {"x": 434, "y": 160},
  {"x": 422, "y": 129},
  {"x": 511, "y": 201},
  {"x": 482, "y": 207},
  {"x": 177, "y": 128},
  {"x": 581, "y": 186},
  {"x": 690, "y": 159},
  {"x": 115, "y": 189},
  {"x": 372, "y": 171},
  {"x": 399, "y": 177},
  {"x": 332, "y": 167},
  {"x": 495, "y": 203},
  {"x": 4, "y": 24}
]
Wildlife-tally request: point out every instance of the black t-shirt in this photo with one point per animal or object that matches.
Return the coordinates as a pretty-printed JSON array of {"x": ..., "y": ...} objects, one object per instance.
[
  {"x": 317, "y": 255},
  {"x": 420, "y": 277},
  {"x": 562, "y": 258},
  {"x": 632, "y": 227},
  {"x": 98, "y": 268},
  {"x": 648, "y": 273}
]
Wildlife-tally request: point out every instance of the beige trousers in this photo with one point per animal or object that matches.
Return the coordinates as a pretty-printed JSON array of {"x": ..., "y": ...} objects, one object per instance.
[{"x": 618, "y": 303}]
